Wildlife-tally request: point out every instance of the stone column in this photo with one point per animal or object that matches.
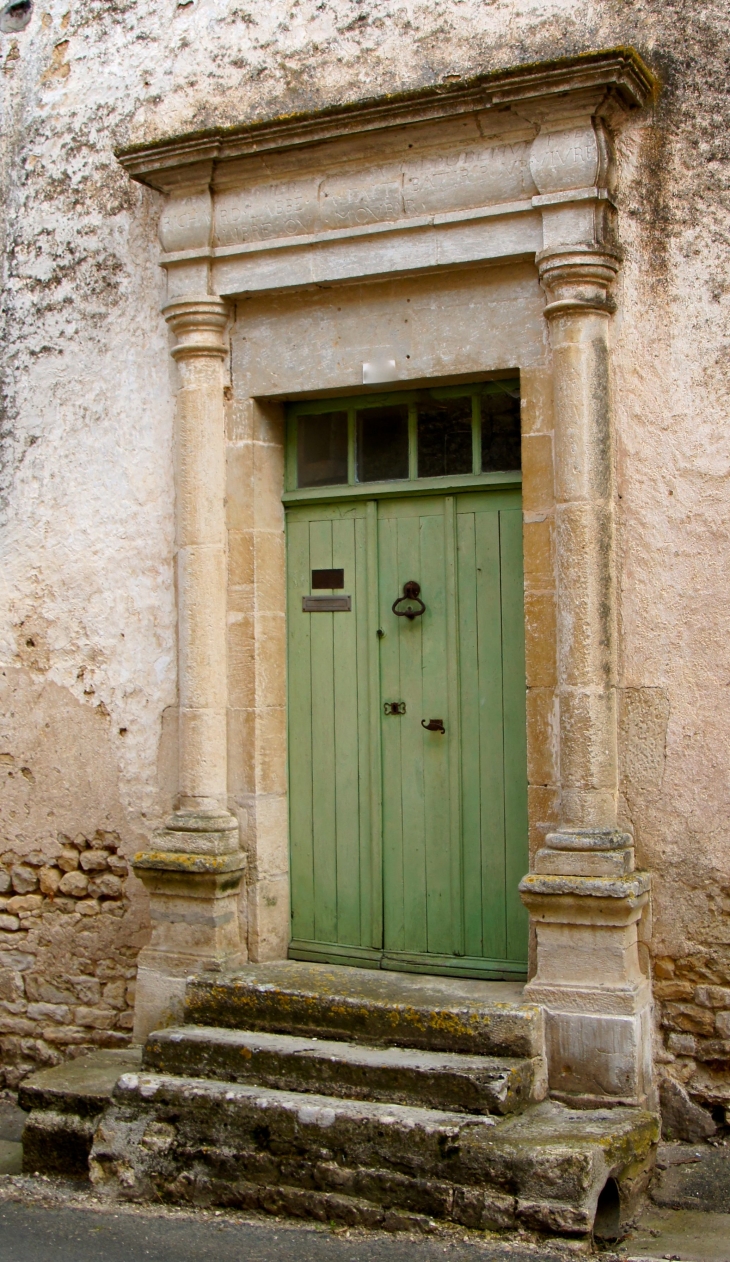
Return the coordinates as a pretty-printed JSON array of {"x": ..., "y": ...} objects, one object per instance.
[
  {"x": 584, "y": 896},
  {"x": 194, "y": 868}
]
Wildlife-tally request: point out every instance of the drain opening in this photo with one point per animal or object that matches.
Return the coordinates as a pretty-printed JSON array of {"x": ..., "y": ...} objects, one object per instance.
[{"x": 607, "y": 1223}]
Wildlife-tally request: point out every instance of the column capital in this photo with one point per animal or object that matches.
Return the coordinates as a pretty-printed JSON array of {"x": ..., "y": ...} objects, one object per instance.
[
  {"x": 199, "y": 323},
  {"x": 577, "y": 278}
]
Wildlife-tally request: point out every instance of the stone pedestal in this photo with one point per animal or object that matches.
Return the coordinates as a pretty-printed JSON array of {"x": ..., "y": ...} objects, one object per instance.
[{"x": 586, "y": 900}]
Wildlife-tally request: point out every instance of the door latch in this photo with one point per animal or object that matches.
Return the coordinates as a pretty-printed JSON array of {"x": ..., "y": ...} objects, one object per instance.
[
  {"x": 434, "y": 725},
  {"x": 394, "y": 707}
]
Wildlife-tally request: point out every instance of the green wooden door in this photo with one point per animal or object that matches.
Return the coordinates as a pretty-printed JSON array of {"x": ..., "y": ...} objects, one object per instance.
[{"x": 407, "y": 844}]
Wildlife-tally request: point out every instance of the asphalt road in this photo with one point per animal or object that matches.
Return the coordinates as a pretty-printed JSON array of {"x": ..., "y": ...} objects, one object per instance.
[{"x": 38, "y": 1233}]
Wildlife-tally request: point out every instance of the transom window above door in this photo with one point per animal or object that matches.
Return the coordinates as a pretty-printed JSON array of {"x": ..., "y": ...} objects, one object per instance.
[{"x": 455, "y": 432}]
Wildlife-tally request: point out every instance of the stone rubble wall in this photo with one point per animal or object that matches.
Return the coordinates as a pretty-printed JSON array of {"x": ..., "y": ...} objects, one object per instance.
[{"x": 66, "y": 984}]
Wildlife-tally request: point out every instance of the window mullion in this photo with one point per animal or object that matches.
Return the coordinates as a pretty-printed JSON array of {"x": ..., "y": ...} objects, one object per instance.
[
  {"x": 476, "y": 433},
  {"x": 412, "y": 442},
  {"x": 351, "y": 453}
]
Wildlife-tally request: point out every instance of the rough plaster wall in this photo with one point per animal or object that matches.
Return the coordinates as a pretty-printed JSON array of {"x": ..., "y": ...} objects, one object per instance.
[{"x": 86, "y": 475}]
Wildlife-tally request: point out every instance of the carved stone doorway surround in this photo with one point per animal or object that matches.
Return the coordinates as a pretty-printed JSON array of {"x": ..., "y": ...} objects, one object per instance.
[{"x": 514, "y": 170}]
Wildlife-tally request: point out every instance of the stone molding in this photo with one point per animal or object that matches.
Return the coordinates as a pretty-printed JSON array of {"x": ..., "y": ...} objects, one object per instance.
[
  {"x": 620, "y": 75},
  {"x": 512, "y": 164},
  {"x": 200, "y": 325},
  {"x": 578, "y": 280}
]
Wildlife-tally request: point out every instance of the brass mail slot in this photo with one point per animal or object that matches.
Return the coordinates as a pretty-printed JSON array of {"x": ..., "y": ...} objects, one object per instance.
[{"x": 326, "y": 604}]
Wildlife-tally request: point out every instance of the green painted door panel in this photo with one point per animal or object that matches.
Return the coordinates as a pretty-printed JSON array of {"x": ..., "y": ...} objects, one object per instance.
[
  {"x": 329, "y": 736},
  {"x": 407, "y": 844}
]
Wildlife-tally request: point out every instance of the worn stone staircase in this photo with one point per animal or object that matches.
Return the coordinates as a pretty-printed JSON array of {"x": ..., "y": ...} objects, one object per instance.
[{"x": 381, "y": 1099}]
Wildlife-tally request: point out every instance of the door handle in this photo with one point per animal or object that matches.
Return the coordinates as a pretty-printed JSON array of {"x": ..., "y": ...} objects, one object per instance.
[
  {"x": 411, "y": 594},
  {"x": 434, "y": 725}
]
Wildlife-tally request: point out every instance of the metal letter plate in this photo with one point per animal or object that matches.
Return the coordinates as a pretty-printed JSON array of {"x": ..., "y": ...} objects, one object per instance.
[{"x": 326, "y": 604}]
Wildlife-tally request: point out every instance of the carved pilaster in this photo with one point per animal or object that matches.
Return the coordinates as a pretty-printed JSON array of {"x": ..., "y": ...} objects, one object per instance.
[
  {"x": 194, "y": 867},
  {"x": 584, "y": 896}
]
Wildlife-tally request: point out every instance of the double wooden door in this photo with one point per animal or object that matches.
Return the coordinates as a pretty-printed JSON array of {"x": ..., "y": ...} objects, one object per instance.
[{"x": 408, "y": 841}]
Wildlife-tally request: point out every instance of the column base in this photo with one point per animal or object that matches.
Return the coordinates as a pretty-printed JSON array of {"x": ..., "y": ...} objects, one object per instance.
[
  {"x": 193, "y": 877},
  {"x": 585, "y": 901},
  {"x": 597, "y": 1044}
]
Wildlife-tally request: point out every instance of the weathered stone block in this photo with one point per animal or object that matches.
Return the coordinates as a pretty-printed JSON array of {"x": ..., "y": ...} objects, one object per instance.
[
  {"x": 674, "y": 990},
  {"x": 98, "y": 1018},
  {"x": 93, "y": 861},
  {"x": 105, "y": 886},
  {"x": 88, "y": 907},
  {"x": 24, "y": 879},
  {"x": 59, "y": 1013},
  {"x": 688, "y": 1018},
  {"x": 11, "y": 985},
  {"x": 74, "y": 884},
  {"x": 114, "y": 994},
  {"x": 712, "y": 996},
  {"x": 682, "y": 1044},
  {"x": 681, "y": 1117},
  {"x": 87, "y": 988},
  {"x": 23, "y": 903},
  {"x": 50, "y": 879}
]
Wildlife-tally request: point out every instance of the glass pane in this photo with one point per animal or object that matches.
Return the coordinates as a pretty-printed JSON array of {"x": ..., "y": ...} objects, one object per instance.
[
  {"x": 500, "y": 432},
  {"x": 382, "y": 443},
  {"x": 444, "y": 437},
  {"x": 322, "y": 449}
]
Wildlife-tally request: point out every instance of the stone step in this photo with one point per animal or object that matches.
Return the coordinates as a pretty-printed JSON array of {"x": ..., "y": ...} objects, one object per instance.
[
  {"x": 205, "y": 1142},
  {"x": 441, "y": 1080},
  {"x": 65, "y": 1104},
  {"x": 370, "y": 1006}
]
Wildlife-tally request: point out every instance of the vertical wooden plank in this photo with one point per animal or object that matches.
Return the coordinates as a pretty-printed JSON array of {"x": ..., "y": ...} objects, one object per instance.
[
  {"x": 300, "y": 729},
  {"x": 346, "y": 762},
  {"x": 371, "y": 659},
  {"x": 434, "y": 747},
  {"x": 390, "y": 690},
  {"x": 453, "y": 726},
  {"x": 515, "y": 724},
  {"x": 323, "y": 748},
  {"x": 489, "y": 641},
  {"x": 470, "y": 733},
  {"x": 413, "y": 637}
]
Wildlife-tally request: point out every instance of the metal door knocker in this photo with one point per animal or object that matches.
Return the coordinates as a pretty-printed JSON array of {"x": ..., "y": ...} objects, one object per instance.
[
  {"x": 411, "y": 592},
  {"x": 434, "y": 725}
]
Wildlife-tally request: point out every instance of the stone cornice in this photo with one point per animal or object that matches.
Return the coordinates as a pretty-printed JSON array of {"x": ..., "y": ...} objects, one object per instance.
[{"x": 619, "y": 76}]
